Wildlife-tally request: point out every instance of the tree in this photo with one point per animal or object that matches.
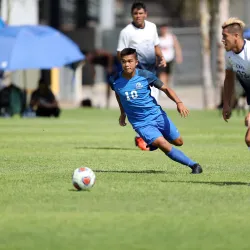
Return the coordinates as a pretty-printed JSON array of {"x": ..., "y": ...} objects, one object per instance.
[
  {"x": 222, "y": 16},
  {"x": 208, "y": 88}
]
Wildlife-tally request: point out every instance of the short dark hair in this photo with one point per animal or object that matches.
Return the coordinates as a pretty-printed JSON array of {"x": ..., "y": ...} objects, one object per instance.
[
  {"x": 128, "y": 51},
  {"x": 138, "y": 5},
  {"x": 167, "y": 24}
]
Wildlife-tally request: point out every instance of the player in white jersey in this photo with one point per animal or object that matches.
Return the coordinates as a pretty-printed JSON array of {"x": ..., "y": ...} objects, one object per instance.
[
  {"x": 142, "y": 35},
  {"x": 237, "y": 64},
  {"x": 171, "y": 50}
]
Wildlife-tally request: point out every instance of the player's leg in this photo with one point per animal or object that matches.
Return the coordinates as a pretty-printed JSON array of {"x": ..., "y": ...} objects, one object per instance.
[
  {"x": 247, "y": 138},
  {"x": 247, "y": 124},
  {"x": 169, "y": 130},
  {"x": 176, "y": 155},
  {"x": 177, "y": 142},
  {"x": 154, "y": 138},
  {"x": 172, "y": 136},
  {"x": 140, "y": 143}
]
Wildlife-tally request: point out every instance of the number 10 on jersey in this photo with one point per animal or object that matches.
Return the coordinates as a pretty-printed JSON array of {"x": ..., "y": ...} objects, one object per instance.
[{"x": 132, "y": 95}]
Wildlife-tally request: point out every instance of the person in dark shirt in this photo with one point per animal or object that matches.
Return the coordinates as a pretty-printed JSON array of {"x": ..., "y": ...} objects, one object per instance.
[
  {"x": 110, "y": 64},
  {"x": 44, "y": 102}
]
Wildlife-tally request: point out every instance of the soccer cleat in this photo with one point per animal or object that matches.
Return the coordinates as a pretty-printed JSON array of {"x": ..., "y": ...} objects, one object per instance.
[
  {"x": 196, "y": 169},
  {"x": 139, "y": 142}
]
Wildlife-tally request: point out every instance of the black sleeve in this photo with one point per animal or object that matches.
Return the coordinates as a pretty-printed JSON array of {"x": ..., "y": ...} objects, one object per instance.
[
  {"x": 157, "y": 83},
  {"x": 152, "y": 79}
]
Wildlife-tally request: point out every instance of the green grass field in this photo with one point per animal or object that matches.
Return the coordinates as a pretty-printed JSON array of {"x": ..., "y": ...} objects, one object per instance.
[{"x": 141, "y": 200}]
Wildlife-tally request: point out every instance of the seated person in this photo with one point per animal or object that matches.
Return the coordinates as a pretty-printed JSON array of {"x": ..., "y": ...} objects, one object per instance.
[
  {"x": 44, "y": 102},
  {"x": 12, "y": 101}
]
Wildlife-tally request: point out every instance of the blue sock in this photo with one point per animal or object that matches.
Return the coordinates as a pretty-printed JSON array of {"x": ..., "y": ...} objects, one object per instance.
[{"x": 177, "y": 155}]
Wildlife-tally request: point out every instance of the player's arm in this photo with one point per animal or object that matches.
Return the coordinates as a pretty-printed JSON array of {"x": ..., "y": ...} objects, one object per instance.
[
  {"x": 122, "y": 117},
  {"x": 160, "y": 57},
  {"x": 227, "y": 93},
  {"x": 228, "y": 87},
  {"x": 119, "y": 103},
  {"x": 171, "y": 95},
  {"x": 156, "y": 82}
]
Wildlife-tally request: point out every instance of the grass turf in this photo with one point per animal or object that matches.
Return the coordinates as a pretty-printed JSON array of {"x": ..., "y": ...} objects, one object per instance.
[{"x": 141, "y": 200}]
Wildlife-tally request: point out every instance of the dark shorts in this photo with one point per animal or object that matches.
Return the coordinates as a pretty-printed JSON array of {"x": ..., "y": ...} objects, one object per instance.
[{"x": 168, "y": 69}]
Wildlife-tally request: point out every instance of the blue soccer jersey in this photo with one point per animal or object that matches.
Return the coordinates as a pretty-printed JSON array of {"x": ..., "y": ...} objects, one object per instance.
[{"x": 140, "y": 107}]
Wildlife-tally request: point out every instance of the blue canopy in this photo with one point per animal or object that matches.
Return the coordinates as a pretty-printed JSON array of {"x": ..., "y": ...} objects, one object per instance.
[
  {"x": 246, "y": 34},
  {"x": 36, "y": 47},
  {"x": 2, "y": 23}
]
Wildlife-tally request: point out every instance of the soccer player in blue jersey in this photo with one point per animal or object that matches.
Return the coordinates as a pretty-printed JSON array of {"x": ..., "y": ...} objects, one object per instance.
[
  {"x": 132, "y": 89},
  {"x": 142, "y": 35}
]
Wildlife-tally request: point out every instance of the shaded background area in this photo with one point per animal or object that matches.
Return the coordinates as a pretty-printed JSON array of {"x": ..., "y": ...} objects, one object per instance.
[{"x": 95, "y": 24}]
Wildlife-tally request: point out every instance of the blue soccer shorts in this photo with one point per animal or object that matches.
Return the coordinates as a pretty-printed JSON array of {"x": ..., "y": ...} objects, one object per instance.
[{"x": 161, "y": 126}]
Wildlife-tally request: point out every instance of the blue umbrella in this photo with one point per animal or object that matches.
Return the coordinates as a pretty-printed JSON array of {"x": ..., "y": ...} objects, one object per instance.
[
  {"x": 35, "y": 47},
  {"x": 2, "y": 23},
  {"x": 246, "y": 34}
]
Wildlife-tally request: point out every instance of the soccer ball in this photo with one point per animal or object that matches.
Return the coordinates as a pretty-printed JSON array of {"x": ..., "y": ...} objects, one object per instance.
[{"x": 83, "y": 178}]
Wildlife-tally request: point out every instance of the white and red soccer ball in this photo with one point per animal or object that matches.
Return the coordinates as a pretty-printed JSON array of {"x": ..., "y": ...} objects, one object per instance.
[{"x": 83, "y": 178}]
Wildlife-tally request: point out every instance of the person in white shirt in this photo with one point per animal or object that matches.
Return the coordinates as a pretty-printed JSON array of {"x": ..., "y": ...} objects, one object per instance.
[
  {"x": 237, "y": 64},
  {"x": 142, "y": 36},
  {"x": 171, "y": 50}
]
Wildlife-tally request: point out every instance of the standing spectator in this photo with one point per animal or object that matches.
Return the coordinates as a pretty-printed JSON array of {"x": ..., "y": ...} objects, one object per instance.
[
  {"x": 108, "y": 61},
  {"x": 172, "y": 52}
]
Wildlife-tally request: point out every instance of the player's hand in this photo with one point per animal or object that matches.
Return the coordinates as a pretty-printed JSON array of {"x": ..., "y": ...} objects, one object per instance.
[
  {"x": 247, "y": 120},
  {"x": 184, "y": 112},
  {"x": 163, "y": 62},
  {"x": 226, "y": 112},
  {"x": 122, "y": 119}
]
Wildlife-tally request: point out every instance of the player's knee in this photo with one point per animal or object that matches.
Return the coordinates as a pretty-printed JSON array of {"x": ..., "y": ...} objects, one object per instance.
[
  {"x": 247, "y": 140},
  {"x": 247, "y": 137},
  {"x": 162, "y": 143},
  {"x": 178, "y": 142}
]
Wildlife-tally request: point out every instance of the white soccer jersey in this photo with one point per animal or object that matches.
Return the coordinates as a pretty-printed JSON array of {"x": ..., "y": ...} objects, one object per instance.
[
  {"x": 167, "y": 47},
  {"x": 240, "y": 64},
  {"x": 143, "y": 40}
]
